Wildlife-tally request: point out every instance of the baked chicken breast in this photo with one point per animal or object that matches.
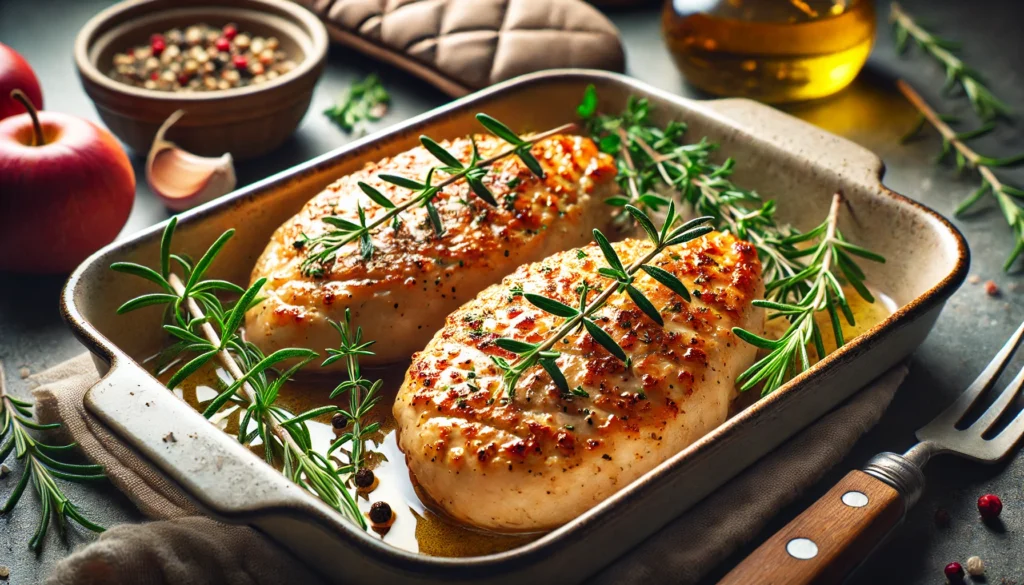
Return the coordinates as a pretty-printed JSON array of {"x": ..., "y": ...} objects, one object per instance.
[
  {"x": 400, "y": 297},
  {"x": 545, "y": 457}
]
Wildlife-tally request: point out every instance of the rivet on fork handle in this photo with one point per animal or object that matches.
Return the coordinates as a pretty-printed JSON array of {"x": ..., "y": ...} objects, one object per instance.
[{"x": 829, "y": 539}]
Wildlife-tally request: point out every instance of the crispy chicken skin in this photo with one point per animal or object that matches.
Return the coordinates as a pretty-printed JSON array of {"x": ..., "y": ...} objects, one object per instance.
[
  {"x": 545, "y": 458},
  {"x": 401, "y": 296}
]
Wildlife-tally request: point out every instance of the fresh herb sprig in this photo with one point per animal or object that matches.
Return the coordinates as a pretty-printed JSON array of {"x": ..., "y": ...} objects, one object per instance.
[
  {"x": 542, "y": 353},
  {"x": 364, "y": 101},
  {"x": 322, "y": 250},
  {"x": 829, "y": 262},
  {"x": 201, "y": 324},
  {"x": 984, "y": 102},
  {"x": 41, "y": 467},
  {"x": 363, "y": 394},
  {"x": 1007, "y": 196},
  {"x": 657, "y": 167}
]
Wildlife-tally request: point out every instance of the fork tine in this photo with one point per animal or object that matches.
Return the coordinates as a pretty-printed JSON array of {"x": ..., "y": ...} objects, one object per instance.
[
  {"x": 1009, "y": 436},
  {"x": 992, "y": 414},
  {"x": 984, "y": 381}
]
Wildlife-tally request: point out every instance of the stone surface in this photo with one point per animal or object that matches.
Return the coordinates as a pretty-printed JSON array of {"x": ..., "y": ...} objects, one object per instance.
[{"x": 973, "y": 326}]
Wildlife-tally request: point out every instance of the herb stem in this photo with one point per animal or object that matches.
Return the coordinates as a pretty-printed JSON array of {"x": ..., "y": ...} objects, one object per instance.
[
  {"x": 283, "y": 435},
  {"x": 1003, "y": 193},
  {"x": 330, "y": 250}
]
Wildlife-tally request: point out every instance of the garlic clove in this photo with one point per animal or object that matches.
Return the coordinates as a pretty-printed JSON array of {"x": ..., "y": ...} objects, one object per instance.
[{"x": 184, "y": 180}]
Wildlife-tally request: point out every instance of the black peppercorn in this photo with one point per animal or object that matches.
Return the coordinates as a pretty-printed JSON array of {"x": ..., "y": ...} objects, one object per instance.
[
  {"x": 364, "y": 478},
  {"x": 339, "y": 421},
  {"x": 380, "y": 513}
]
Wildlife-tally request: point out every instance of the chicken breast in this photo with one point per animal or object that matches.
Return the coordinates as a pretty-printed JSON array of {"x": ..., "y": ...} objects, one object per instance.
[
  {"x": 545, "y": 457},
  {"x": 401, "y": 296}
]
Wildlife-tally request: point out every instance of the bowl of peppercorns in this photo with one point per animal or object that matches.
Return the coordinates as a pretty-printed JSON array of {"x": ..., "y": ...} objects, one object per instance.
[{"x": 242, "y": 70}]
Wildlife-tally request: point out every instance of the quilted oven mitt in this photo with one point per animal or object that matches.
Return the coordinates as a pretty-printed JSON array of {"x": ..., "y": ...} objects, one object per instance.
[{"x": 463, "y": 45}]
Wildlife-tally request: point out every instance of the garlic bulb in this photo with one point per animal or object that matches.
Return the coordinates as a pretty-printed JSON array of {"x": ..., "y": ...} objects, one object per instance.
[{"x": 184, "y": 180}]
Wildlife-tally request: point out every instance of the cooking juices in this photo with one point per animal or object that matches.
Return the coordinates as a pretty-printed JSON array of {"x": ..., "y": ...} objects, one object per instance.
[
  {"x": 417, "y": 527},
  {"x": 771, "y": 50}
]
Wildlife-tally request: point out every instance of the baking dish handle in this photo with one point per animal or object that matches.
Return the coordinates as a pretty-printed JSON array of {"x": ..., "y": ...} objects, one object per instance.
[{"x": 210, "y": 466}]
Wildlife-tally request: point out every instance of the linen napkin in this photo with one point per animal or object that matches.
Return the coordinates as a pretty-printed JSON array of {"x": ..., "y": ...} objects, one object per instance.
[{"x": 182, "y": 548}]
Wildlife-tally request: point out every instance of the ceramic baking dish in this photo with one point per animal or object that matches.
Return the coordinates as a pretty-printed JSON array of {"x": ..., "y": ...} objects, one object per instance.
[{"x": 783, "y": 158}]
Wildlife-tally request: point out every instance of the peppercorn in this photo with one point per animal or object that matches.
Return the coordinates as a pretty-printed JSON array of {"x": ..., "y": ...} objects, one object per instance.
[
  {"x": 975, "y": 566},
  {"x": 230, "y": 31},
  {"x": 942, "y": 519},
  {"x": 989, "y": 506},
  {"x": 240, "y": 62},
  {"x": 364, "y": 478},
  {"x": 380, "y": 513},
  {"x": 157, "y": 44},
  {"x": 339, "y": 420},
  {"x": 223, "y": 44},
  {"x": 954, "y": 573}
]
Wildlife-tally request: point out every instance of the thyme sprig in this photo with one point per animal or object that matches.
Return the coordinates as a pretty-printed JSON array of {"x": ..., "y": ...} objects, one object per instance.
[
  {"x": 984, "y": 102},
  {"x": 830, "y": 261},
  {"x": 322, "y": 250},
  {"x": 363, "y": 101},
  {"x": 657, "y": 168},
  {"x": 532, "y": 354},
  {"x": 205, "y": 327},
  {"x": 1007, "y": 196},
  {"x": 41, "y": 467}
]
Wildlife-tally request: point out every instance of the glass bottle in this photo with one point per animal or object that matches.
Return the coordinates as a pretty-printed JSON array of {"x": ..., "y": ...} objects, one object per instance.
[{"x": 774, "y": 51}]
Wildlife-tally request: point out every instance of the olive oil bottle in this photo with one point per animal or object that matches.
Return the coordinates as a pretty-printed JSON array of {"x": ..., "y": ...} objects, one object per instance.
[{"x": 774, "y": 51}]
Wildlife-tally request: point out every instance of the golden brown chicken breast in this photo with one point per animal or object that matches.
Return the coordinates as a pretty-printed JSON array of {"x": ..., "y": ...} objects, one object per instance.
[
  {"x": 547, "y": 456},
  {"x": 415, "y": 278}
]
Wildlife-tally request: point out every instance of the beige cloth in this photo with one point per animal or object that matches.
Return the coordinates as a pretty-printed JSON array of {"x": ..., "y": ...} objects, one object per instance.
[{"x": 184, "y": 549}]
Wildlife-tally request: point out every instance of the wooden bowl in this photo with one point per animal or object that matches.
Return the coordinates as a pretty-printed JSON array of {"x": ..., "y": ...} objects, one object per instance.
[{"x": 246, "y": 121}]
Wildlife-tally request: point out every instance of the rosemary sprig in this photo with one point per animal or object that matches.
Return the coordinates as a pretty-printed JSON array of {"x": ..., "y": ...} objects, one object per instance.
[
  {"x": 40, "y": 465},
  {"x": 363, "y": 394},
  {"x": 364, "y": 101},
  {"x": 202, "y": 325},
  {"x": 532, "y": 354},
  {"x": 656, "y": 168},
  {"x": 1006, "y": 195},
  {"x": 984, "y": 102},
  {"x": 830, "y": 259},
  {"x": 322, "y": 250}
]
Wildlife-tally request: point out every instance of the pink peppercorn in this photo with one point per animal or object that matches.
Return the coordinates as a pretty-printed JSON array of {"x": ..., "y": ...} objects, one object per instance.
[
  {"x": 954, "y": 573},
  {"x": 230, "y": 31},
  {"x": 223, "y": 44},
  {"x": 157, "y": 44},
  {"x": 240, "y": 62},
  {"x": 989, "y": 506}
]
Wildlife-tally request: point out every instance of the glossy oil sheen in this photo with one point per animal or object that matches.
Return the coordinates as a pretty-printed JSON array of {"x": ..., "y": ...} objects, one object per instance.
[
  {"x": 783, "y": 158},
  {"x": 418, "y": 526},
  {"x": 774, "y": 51}
]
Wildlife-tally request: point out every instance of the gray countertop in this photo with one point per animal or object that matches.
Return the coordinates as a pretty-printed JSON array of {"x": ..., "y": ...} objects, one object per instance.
[{"x": 870, "y": 112}]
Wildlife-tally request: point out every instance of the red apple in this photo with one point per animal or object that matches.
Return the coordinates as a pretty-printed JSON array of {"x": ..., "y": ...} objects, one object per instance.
[
  {"x": 66, "y": 189},
  {"x": 16, "y": 74}
]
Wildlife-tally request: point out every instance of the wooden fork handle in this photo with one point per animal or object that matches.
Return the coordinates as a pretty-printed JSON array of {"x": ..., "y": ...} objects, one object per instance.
[{"x": 828, "y": 540}]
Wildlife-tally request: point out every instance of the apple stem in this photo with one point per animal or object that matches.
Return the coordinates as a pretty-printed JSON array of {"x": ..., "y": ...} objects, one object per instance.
[{"x": 36, "y": 126}]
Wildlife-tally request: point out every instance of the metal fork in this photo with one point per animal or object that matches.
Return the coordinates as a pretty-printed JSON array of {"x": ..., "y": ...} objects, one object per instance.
[{"x": 828, "y": 540}]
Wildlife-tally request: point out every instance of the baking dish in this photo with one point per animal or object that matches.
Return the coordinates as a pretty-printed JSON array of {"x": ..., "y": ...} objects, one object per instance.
[{"x": 784, "y": 158}]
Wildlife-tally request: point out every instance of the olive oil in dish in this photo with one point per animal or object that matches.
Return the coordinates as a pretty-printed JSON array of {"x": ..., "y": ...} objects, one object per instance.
[{"x": 418, "y": 526}]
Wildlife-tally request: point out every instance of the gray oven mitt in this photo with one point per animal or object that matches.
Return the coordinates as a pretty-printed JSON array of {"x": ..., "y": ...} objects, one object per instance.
[
  {"x": 463, "y": 45},
  {"x": 183, "y": 548}
]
